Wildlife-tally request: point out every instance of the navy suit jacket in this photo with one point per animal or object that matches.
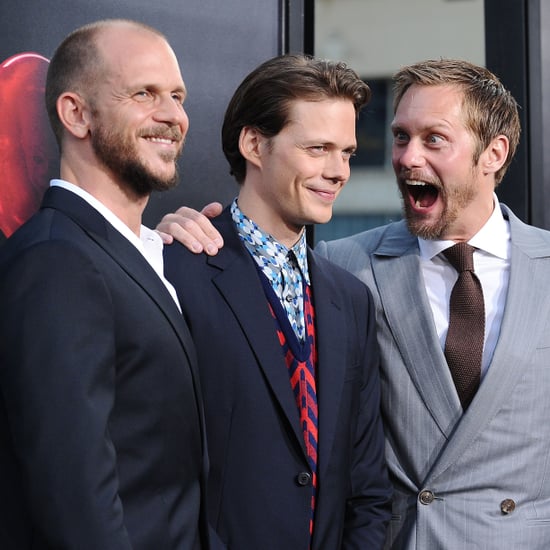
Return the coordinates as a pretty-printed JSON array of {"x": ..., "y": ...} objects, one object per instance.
[
  {"x": 101, "y": 439},
  {"x": 259, "y": 486}
]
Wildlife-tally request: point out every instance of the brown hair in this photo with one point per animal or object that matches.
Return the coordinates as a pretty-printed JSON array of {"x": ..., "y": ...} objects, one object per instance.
[
  {"x": 490, "y": 109},
  {"x": 263, "y": 99}
]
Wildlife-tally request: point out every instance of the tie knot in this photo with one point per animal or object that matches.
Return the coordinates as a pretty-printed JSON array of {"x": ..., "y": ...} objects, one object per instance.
[{"x": 461, "y": 256}]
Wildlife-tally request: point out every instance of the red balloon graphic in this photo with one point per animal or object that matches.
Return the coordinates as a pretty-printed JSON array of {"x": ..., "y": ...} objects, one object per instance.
[{"x": 28, "y": 153}]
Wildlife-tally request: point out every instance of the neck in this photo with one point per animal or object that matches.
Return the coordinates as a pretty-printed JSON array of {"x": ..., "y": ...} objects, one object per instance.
[
  {"x": 269, "y": 220},
  {"x": 121, "y": 201}
]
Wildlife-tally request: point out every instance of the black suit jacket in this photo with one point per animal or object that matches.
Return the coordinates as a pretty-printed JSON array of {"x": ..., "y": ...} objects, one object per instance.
[
  {"x": 101, "y": 439},
  {"x": 259, "y": 493}
]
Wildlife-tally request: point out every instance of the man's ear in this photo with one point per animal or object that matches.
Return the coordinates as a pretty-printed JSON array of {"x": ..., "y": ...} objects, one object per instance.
[
  {"x": 495, "y": 155},
  {"x": 74, "y": 114},
  {"x": 250, "y": 145}
]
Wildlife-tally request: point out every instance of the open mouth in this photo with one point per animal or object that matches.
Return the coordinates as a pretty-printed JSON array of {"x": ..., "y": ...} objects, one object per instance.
[{"x": 423, "y": 195}]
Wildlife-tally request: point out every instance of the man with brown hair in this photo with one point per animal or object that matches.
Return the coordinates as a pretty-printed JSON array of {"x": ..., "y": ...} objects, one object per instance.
[
  {"x": 467, "y": 441},
  {"x": 286, "y": 341}
]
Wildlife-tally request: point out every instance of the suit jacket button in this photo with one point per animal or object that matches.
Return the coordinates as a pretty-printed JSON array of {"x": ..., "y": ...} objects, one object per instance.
[
  {"x": 426, "y": 497},
  {"x": 303, "y": 479},
  {"x": 507, "y": 506}
]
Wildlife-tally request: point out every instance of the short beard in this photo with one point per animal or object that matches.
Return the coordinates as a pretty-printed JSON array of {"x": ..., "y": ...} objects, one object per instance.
[
  {"x": 119, "y": 156},
  {"x": 455, "y": 200},
  {"x": 419, "y": 227}
]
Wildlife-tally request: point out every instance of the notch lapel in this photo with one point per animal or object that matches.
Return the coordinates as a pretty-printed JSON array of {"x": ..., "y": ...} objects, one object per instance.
[
  {"x": 238, "y": 272},
  {"x": 330, "y": 323},
  {"x": 125, "y": 255}
]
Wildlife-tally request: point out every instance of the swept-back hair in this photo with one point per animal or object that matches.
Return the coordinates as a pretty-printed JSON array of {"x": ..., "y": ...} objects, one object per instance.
[
  {"x": 489, "y": 108},
  {"x": 263, "y": 99}
]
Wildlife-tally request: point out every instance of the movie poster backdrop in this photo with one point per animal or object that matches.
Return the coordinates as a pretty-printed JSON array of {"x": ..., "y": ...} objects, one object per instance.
[{"x": 217, "y": 43}]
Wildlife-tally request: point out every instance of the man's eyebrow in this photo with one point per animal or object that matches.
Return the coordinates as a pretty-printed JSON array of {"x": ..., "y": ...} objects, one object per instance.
[{"x": 181, "y": 90}]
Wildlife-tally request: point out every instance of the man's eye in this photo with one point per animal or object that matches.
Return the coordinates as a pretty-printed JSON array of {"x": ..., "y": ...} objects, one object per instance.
[
  {"x": 142, "y": 94},
  {"x": 348, "y": 154},
  {"x": 400, "y": 137},
  {"x": 178, "y": 97}
]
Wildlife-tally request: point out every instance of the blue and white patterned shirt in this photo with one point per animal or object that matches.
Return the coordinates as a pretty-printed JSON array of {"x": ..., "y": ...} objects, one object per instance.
[{"x": 285, "y": 268}]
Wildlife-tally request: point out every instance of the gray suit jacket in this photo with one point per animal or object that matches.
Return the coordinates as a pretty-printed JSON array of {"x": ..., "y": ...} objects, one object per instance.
[{"x": 456, "y": 476}]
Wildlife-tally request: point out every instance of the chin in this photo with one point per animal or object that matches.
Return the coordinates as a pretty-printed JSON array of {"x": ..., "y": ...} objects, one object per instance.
[
  {"x": 424, "y": 230},
  {"x": 165, "y": 173},
  {"x": 324, "y": 216},
  {"x": 316, "y": 220}
]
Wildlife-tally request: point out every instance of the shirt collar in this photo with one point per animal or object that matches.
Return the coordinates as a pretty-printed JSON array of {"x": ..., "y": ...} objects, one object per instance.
[
  {"x": 493, "y": 238},
  {"x": 148, "y": 239},
  {"x": 264, "y": 248}
]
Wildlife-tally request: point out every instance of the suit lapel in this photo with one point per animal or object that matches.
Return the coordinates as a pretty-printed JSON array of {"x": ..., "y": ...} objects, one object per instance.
[
  {"x": 330, "y": 322},
  {"x": 522, "y": 325},
  {"x": 239, "y": 284},
  {"x": 132, "y": 262},
  {"x": 135, "y": 266},
  {"x": 124, "y": 254},
  {"x": 398, "y": 277}
]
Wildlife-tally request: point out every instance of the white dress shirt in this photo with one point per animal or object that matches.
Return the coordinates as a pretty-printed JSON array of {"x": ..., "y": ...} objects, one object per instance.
[
  {"x": 149, "y": 243},
  {"x": 492, "y": 267}
]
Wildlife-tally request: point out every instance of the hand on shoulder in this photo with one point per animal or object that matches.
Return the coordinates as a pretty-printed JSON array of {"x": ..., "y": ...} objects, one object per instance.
[{"x": 193, "y": 229}]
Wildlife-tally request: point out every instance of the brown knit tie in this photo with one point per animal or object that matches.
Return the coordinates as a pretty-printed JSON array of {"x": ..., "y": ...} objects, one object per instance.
[{"x": 464, "y": 344}]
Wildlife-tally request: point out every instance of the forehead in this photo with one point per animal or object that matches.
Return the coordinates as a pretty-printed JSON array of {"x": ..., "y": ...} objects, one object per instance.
[
  {"x": 133, "y": 55},
  {"x": 427, "y": 106},
  {"x": 329, "y": 115}
]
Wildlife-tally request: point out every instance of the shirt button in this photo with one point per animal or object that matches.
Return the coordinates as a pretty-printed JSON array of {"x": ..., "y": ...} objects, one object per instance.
[
  {"x": 426, "y": 497},
  {"x": 507, "y": 506},
  {"x": 303, "y": 478}
]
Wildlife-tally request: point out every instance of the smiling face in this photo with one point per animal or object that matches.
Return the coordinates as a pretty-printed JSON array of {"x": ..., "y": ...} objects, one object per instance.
[
  {"x": 445, "y": 195},
  {"x": 139, "y": 123},
  {"x": 293, "y": 178}
]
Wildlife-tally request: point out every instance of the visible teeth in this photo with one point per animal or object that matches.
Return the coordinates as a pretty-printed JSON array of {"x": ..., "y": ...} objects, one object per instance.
[
  {"x": 416, "y": 183},
  {"x": 160, "y": 140}
]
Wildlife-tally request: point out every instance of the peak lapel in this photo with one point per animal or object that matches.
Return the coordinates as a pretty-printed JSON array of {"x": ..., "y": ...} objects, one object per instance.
[
  {"x": 330, "y": 323},
  {"x": 406, "y": 307},
  {"x": 525, "y": 319}
]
